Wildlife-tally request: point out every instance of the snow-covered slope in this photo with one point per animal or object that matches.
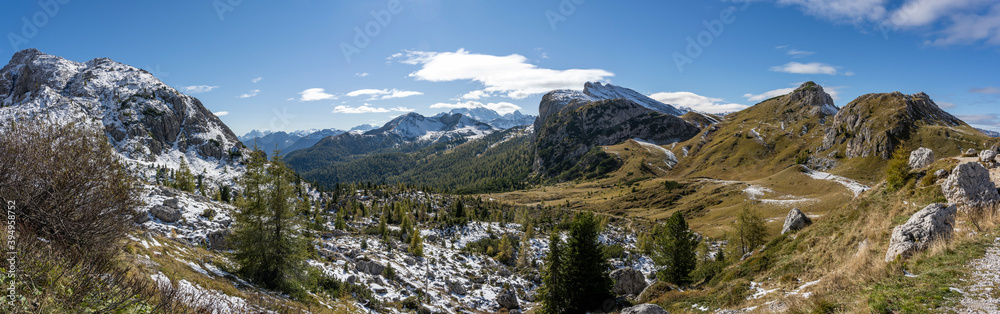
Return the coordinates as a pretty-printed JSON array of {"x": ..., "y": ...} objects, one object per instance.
[
  {"x": 149, "y": 123},
  {"x": 362, "y": 128},
  {"x": 599, "y": 91}
]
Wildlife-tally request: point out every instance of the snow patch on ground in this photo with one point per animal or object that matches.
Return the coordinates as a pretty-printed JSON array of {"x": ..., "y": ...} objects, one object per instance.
[{"x": 853, "y": 186}]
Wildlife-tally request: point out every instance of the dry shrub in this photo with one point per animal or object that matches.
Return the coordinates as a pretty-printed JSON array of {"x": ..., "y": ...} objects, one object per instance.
[{"x": 69, "y": 186}]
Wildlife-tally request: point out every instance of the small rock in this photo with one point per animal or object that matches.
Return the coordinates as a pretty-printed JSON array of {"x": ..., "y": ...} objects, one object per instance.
[
  {"x": 352, "y": 279},
  {"x": 972, "y": 152},
  {"x": 141, "y": 217},
  {"x": 921, "y": 157},
  {"x": 796, "y": 220},
  {"x": 172, "y": 203},
  {"x": 934, "y": 222},
  {"x": 410, "y": 261},
  {"x": 645, "y": 309},
  {"x": 369, "y": 267},
  {"x": 379, "y": 289},
  {"x": 628, "y": 281},
  {"x": 217, "y": 239},
  {"x": 167, "y": 214},
  {"x": 456, "y": 287},
  {"x": 508, "y": 300},
  {"x": 940, "y": 173}
]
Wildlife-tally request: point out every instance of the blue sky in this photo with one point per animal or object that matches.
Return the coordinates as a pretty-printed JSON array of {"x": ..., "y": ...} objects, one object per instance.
[{"x": 282, "y": 65}]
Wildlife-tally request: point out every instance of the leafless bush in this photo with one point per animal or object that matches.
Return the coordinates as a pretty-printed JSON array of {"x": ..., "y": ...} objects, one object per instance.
[{"x": 69, "y": 186}]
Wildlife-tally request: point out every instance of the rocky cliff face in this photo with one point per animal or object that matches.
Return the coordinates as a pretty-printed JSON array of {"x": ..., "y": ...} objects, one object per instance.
[
  {"x": 569, "y": 128},
  {"x": 873, "y": 124},
  {"x": 143, "y": 118}
]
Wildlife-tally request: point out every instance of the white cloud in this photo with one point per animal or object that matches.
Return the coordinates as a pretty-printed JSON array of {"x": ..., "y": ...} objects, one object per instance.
[
  {"x": 499, "y": 107},
  {"x": 799, "y": 53},
  {"x": 985, "y": 90},
  {"x": 476, "y": 94},
  {"x": 946, "y": 105},
  {"x": 195, "y": 89},
  {"x": 854, "y": 11},
  {"x": 257, "y": 79},
  {"x": 511, "y": 75},
  {"x": 314, "y": 94},
  {"x": 221, "y": 113},
  {"x": 806, "y": 68},
  {"x": 697, "y": 102},
  {"x": 768, "y": 94},
  {"x": 383, "y": 93},
  {"x": 947, "y": 22},
  {"x": 980, "y": 119},
  {"x": 249, "y": 94},
  {"x": 363, "y": 74},
  {"x": 367, "y": 108}
]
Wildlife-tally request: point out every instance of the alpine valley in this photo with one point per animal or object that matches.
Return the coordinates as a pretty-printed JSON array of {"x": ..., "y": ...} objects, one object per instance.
[{"x": 796, "y": 204}]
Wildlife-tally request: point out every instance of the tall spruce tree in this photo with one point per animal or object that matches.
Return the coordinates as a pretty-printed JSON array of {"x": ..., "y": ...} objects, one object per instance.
[
  {"x": 553, "y": 291},
  {"x": 586, "y": 266},
  {"x": 675, "y": 251},
  {"x": 269, "y": 249}
]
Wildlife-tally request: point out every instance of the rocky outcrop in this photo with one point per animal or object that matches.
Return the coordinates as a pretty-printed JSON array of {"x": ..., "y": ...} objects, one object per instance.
[
  {"x": 166, "y": 214},
  {"x": 508, "y": 300},
  {"x": 970, "y": 187},
  {"x": 874, "y": 124},
  {"x": 628, "y": 281},
  {"x": 934, "y": 222},
  {"x": 921, "y": 157},
  {"x": 972, "y": 152},
  {"x": 564, "y": 136},
  {"x": 645, "y": 309},
  {"x": 142, "y": 117},
  {"x": 795, "y": 220}
]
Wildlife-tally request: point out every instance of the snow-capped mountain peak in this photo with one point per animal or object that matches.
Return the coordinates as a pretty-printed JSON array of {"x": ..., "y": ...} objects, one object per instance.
[{"x": 147, "y": 121}]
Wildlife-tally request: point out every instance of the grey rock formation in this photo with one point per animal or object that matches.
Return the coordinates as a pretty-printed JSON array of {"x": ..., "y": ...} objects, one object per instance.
[
  {"x": 987, "y": 156},
  {"x": 921, "y": 157},
  {"x": 456, "y": 287},
  {"x": 795, "y": 220},
  {"x": 172, "y": 203},
  {"x": 141, "y": 217},
  {"x": 165, "y": 213},
  {"x": 508, "y": 300},
  {"x": 217, "y": 239},
  {"x": 972, "y": 152},
  {"x": 936, "y": 221},
  {"x": 370, "y": 267},
  {"x": 969, "y": 186},
  {"x": 142, "y": 116},
  {"x": 645, "y": 309},
  {"x": 628, "y": 281}
]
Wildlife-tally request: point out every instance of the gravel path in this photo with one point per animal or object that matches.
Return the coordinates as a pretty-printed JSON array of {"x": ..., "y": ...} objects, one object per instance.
[{"x": 983, "y": 294}]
